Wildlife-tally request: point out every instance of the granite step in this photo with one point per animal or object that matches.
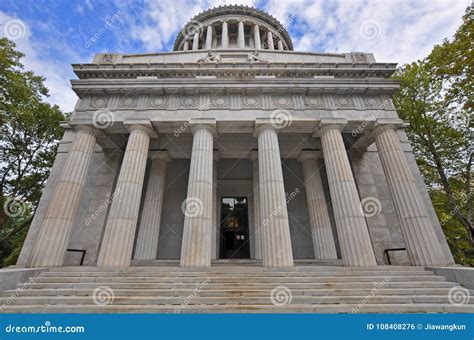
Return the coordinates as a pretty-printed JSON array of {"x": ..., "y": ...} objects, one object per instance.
[
  {"x": 240, "y": 300},
  {"x": 178, "y": 285},
  {"x": 241, "y": 280},
  {"x": 232, "y": 292},
  {"x": 236, "y": 289},
  {"x": 292, "y": 308}
]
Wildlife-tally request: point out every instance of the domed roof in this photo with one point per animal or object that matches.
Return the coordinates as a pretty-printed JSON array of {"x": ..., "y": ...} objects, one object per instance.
[{"x": 232, "y": 13}]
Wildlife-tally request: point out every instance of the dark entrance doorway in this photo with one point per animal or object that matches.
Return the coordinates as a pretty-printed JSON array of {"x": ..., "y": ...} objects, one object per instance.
[{"x": 234, "y": 228}]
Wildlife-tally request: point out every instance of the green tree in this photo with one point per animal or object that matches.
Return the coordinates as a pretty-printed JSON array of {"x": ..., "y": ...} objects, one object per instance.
[
  {"x": 29, "y": 134},
  {"x": 435, "y": 97}
]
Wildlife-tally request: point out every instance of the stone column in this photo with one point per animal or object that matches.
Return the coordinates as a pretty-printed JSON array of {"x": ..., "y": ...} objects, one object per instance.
[
  {"x": 420, "y": 237},
  {"x": 275, "y": 228},
  {"x": 117, "y": 244},
  {"x": 196, "y": 41},
  {"x": 196, "y": 244},
  {"x": 186, "y": 46},
  {"x": 256, "y": 37},
  {"x": 256, "y": 205},
  {"x": 149, "y": 230},
  {"x": 323, "y": 239},
  {"x": 280, "y": 45},
  {"x": 225, "y": 35},
  {"x": 270, "y": 41},
  {"x": 240, "y": 35},
  {"x": 215, "y": 219},
  {"x": 354, "y": 239},
  {"x": 55, "y": 230},
  {"x": 209, "y": 37}
]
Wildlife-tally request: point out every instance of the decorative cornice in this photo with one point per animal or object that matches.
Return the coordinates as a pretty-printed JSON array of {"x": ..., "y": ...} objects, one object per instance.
[{"x": 233, "y": 70}]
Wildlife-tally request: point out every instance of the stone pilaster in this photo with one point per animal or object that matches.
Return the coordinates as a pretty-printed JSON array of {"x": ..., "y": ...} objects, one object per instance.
[
  {"x": 225, "y": 35},
  {"x": 198, "y": 207},
  {"x": 149, "y": 230},
  {"x": 256, "y": 37},
  {"x": 117, "y": 244},
  {"x": 256, "y": 205},
  {"x": 209, "y": 37},
  {"x": 55, "y": 230},
  {"x": 275, "y": 228},
  {"x": 271, "y": 46},
  {"x": 420, "y": 237},
  {"x": 196, "y": 41},
  {"x": 354, "y": 239},
  {"x": 280, "y": 45},
  {"x": 215, "y": 219},
  {"x": 186, "y": 46},
  {"x": 323, "y": 239},
  {"x": 240, "y": 35}
]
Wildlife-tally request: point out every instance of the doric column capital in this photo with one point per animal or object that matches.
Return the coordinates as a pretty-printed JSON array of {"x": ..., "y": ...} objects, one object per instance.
[
  {"x": 159, "y": 155},
  {"x": 383, "y": 124},
  {"x": 253, "y": 155},
  {"x": 264, "y": 124},
  {"x": 330, "y": 124},
  {"x": 141, "y": 125},
  {"x": 309, "y": 154},
  {"x": 208, "y": 124},
  {"x": 89, "y": 128}
]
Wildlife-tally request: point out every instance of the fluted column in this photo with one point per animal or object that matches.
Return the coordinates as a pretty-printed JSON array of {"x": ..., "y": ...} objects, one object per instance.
[
  {"x": 271, "y": 46},
  {"x": 209, "y": 37},
  {"x": 186, "y": 46},
  {"x": 54, "y": 233},
  {"x": 196, "y": 41},
  {"x": 225, "y": 35},
  {"x": 149, "y": 230},
  {"x": 256, "y": 205},
  {"x": 256, "y": 37},
  {"x": 280, "y": 45},
  {"x": 323, "y": 239},
  {"x": 215, "y": 220},
  {"x": 117, "y": 244},
  {"x": 240, "y": 35},
  {"x": 196, "y": 244},
  {"x": 420, "y": 237},
  {"x": 275, "y": 228},
  {"x": 354, "y": 239}
]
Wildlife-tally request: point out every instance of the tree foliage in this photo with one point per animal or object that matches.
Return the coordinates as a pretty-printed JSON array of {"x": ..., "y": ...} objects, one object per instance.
[
  {"x": 435, "y": 97},
  {"x": 29, "y": 134}
]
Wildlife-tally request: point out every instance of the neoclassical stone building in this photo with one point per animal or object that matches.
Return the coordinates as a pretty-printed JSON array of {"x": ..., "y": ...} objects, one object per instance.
[{"x": 234, "y": 146}]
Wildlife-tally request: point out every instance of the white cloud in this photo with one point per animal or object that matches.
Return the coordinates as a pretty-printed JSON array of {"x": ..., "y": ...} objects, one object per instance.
[{"x": 404, "y": 30}]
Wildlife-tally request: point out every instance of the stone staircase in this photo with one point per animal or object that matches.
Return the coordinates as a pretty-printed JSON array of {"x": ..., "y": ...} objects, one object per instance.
[{"x": 237, "y": 288}]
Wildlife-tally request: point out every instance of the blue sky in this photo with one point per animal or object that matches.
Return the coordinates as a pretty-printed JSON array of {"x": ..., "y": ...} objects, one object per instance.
[{"x": 55, "y": 34}]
